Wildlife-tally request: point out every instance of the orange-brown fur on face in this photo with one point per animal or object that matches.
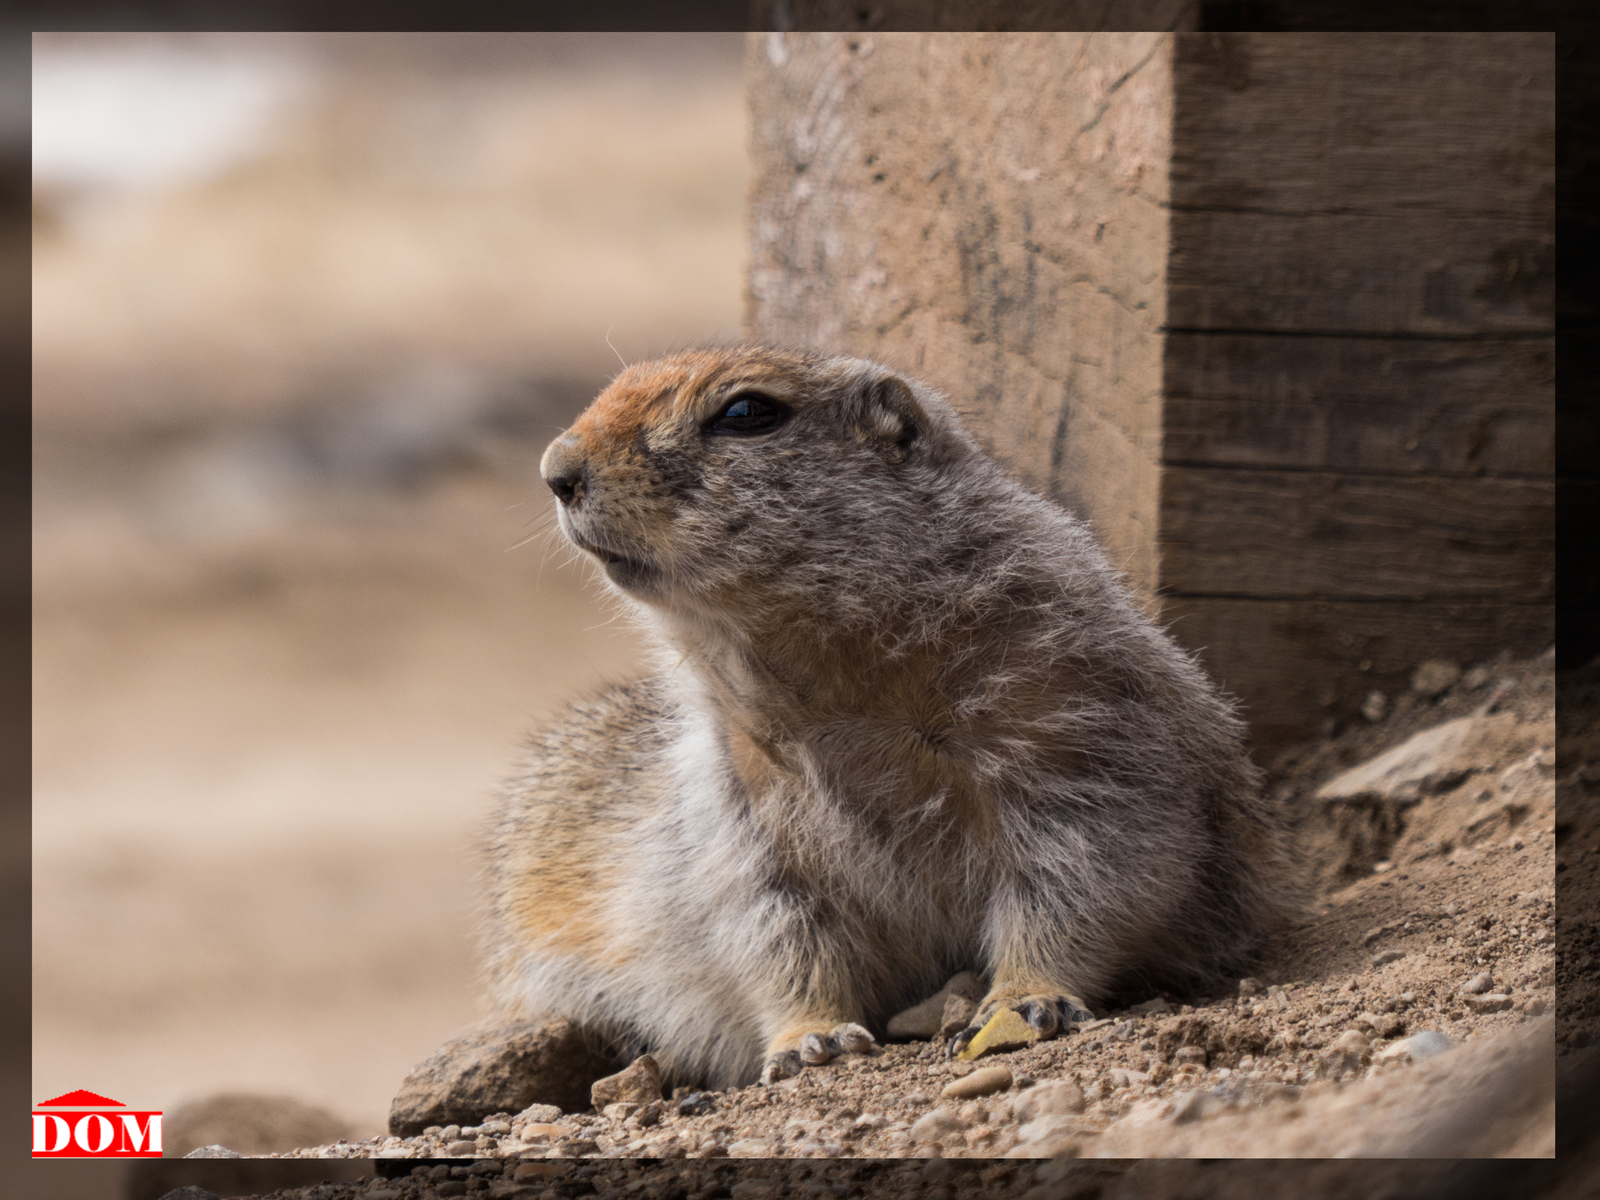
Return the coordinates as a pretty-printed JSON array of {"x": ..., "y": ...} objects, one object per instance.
[{"x": 906, "y": 721}]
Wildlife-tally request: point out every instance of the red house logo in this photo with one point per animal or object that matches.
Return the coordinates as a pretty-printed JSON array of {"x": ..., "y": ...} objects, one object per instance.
[{"x": 81, "y": 1124}]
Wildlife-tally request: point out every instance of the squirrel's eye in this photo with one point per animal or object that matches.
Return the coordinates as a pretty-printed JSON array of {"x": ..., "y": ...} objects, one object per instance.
[{"x": 749, "y": 412}]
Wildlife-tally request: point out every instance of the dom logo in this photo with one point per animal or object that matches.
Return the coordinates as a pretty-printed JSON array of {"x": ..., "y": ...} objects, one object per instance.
[{"x": 84, "y": 1125}]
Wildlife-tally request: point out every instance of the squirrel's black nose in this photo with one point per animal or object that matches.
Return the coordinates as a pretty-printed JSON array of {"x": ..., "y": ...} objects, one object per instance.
[
  {"x": 566, "y": 484},
  {"x": 563, "y": 470}
]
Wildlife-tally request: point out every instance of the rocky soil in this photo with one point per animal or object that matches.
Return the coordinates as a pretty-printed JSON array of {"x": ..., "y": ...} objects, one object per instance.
[{"x": 1409, "y": 1015}]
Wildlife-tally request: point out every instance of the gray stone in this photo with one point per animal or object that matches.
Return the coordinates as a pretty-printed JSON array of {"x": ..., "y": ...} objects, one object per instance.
[
  {"x": 1493, "y": 1002},
  {"x": 540, "y": 1114},
  {"x": 957, "y": 1015},
  {"x": 1375, "y": 706},
  {"x": 1430, "y": 760},
  {"x": 498, "y": 1070},
  {"x": 695, "y": 1104},
  {"x": 1434, "y": 676},
  {"x": 1478, "y": 984},
  {"x": 924, "y": 1020},
  {"x": 461, "y": 1149},
  {"x": 639, "y": 1082},
  {"x": 1387, "y": 956},
  {"x": 213, "y": 1152}
]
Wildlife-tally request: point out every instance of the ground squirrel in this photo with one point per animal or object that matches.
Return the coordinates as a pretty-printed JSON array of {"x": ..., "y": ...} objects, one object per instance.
[{"x": 905, "y": 720}]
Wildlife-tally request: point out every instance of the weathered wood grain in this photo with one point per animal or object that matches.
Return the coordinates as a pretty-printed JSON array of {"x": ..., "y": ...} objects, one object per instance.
[
  {"x": 1366, "y": 183},
  {"x": 986, "y": 212},
  {"x": 1394, "y": 273},
  {"x": 1360, "y": 404},
  {"x": 1297, "y": 664},
  {"x": 1451, "y": 124},
  {"x": 1323, "y": 535}
]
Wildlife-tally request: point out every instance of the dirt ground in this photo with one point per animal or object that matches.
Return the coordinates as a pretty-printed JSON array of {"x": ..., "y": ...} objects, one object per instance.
[{"x": 1432, "y": 927}]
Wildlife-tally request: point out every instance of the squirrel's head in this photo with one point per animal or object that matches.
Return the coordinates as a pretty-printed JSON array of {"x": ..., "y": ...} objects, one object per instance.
[{"x": 725, "y": 477}]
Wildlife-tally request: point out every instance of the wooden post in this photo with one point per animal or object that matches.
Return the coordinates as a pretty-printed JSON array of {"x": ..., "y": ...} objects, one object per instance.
[{"x": 1273, "y": 312}]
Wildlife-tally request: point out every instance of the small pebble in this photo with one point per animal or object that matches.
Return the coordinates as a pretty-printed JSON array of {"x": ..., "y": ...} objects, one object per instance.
[
  {"x": 1492, "y": 1003},
  {"x": 1434, "y": 676},
  {"x": 640, "y": 1082},
  {"x": 935, "y": 1125},
  {"x": 979, "y": 1083},
  {"x": 695, "y": 1104},
  {"x": 958, "y": 1011},
  {"x": 1006, "y": 1030},
  {"x": 1388, "y": 956},
  {"x": 1417, "y": 1047},
  {"x": 1478, "y": 984},
  {"x": 461, "y": 1149}
]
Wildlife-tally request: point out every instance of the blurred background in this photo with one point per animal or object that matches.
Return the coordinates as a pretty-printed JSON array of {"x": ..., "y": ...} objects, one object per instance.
[{"x": 306, "y": 310}]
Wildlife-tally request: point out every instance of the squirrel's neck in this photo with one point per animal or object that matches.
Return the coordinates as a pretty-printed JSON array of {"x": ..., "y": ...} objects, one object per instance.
[{"x": 898, "y": 709}]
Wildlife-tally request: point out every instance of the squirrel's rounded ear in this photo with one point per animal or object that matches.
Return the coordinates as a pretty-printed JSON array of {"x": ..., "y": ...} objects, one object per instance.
[{"x": 885, "y": 415}]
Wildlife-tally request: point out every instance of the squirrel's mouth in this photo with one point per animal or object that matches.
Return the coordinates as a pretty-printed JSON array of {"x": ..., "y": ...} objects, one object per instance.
[{"x": 627, "y": 573}]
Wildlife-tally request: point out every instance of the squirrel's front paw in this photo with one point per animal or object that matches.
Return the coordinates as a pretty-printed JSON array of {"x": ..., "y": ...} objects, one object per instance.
[
  {"x": 815, "y": 1048},
  {"x": 1047, "y": 1013},
  {"x": 779, "y": 1067},
  {"x": 846, "y": 1038}
]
